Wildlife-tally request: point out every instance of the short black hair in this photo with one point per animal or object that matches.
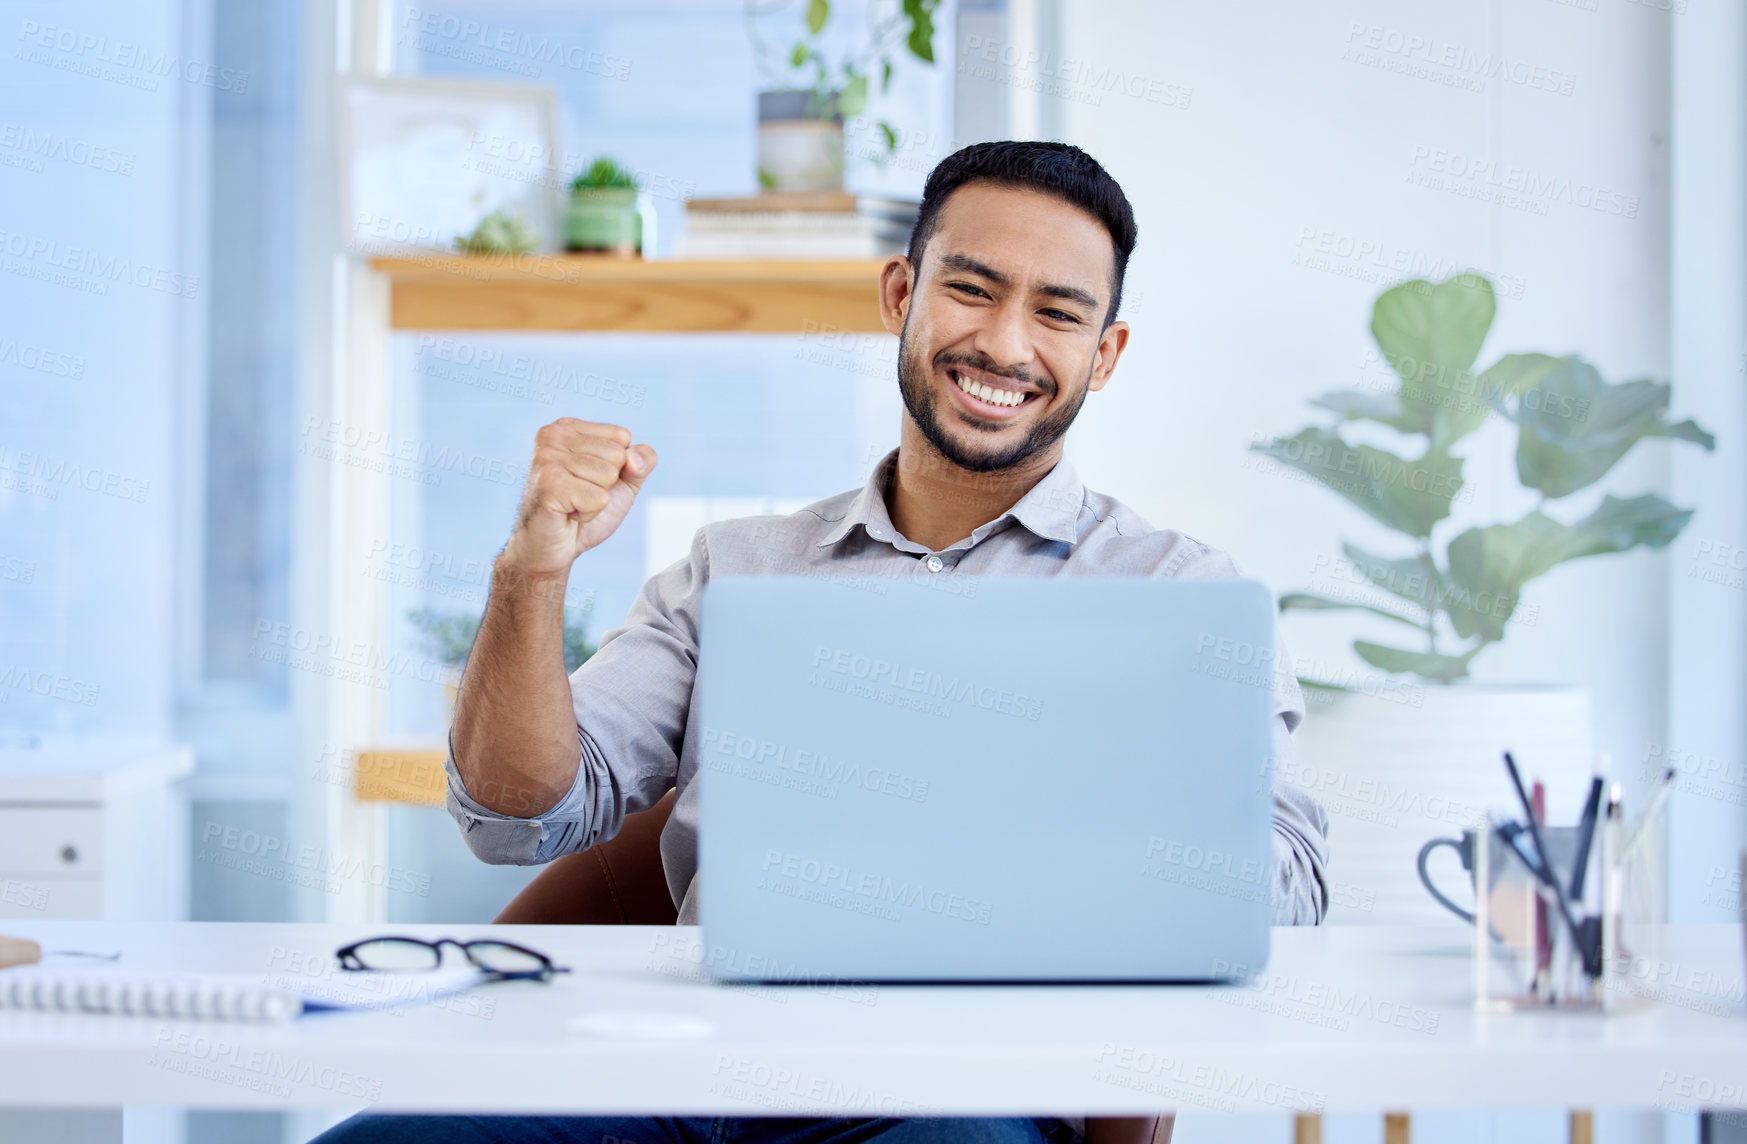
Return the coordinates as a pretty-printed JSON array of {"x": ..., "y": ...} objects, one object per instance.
[{"x": 1058, "y": 169}]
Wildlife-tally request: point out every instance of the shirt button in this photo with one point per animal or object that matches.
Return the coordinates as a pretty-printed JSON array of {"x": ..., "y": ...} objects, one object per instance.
[{"x": 935, "y": 564}]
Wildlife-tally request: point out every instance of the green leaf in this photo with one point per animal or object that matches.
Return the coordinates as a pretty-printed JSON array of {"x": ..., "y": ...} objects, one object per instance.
[
  {"x": 921, "y": 38},
  {"x": 1430, "y": 335},
  {"x": 1427, "y": 664},
  {"x": 1575, "y": 427},
  {"x": 798, "y": 57},
  {"x": 818, "y": 11},
  {"x": 890, "y": 136},
  {"x": 1489, "y": 566},
  {"x": 1417, "y": 581},
  {"x": 853, "y": 98},
  {"x": 1359, "y": 404},
  {"x": 1311, "y": 602},
  {"x": 766, "y": 179},
  {"x": 885, "y": 76},
  {"x": 1408, "y": 496}
]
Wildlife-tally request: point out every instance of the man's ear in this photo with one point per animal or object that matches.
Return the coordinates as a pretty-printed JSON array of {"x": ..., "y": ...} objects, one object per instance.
[
  {"x": 897, "y": 287},
  {"x": 1110, "y": 347}
]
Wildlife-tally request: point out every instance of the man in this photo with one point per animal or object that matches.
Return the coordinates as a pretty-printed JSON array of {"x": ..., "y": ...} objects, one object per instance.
[{"x": 1005, "y": 307}]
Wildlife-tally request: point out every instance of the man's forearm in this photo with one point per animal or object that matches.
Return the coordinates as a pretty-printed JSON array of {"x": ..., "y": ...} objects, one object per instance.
[{"x": 515, "y": 737}]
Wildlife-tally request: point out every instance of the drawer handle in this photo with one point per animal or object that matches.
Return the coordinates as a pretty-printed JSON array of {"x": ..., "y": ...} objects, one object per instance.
[{"x": 69, "y": 854}]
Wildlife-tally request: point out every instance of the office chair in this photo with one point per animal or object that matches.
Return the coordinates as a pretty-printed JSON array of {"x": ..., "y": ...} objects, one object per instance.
[{"x": 622, "y": 882}]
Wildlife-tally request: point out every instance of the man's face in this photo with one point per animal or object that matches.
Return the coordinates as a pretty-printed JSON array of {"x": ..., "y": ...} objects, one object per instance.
[{"x": 1003, "y": 334}]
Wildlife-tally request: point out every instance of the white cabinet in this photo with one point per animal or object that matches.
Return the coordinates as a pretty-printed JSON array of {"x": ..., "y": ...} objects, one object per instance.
[{"x": 95, "y": 830}]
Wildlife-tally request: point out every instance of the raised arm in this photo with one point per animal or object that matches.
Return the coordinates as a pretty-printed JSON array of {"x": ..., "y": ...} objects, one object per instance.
[{"x": 515, "y": 739}]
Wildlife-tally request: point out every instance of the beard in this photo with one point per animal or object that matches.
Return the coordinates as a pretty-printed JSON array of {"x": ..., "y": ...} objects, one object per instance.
[{"x": 923, "y": 403}]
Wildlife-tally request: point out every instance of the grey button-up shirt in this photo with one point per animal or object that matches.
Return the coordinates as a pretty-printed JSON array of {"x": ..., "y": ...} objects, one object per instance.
[{"x": 635, "y": 701}]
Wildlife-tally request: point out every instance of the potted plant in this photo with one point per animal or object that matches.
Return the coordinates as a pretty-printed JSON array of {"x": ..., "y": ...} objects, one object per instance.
[
  {"x": 800, "y": 118},
  {"x": 602, "y": 214},
  {"x": 448, "y": 638},
  {"x": 1403, "y": 763},
  {"x": 499, "y": 232}
]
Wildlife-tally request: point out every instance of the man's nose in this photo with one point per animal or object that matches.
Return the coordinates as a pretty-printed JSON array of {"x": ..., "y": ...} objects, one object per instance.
[{"x": 1004, "y": 340}]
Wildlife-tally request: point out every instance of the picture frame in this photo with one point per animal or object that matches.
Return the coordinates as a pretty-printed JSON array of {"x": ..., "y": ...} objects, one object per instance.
[{"x": 420, "y": 160}]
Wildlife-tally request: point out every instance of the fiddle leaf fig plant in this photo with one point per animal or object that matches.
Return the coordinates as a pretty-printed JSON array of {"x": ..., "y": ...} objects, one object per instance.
[{"x": 1572, "y": 428}]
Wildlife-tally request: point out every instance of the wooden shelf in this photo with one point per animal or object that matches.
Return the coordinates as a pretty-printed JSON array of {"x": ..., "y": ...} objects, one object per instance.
[{"x": 596, "y": 292}]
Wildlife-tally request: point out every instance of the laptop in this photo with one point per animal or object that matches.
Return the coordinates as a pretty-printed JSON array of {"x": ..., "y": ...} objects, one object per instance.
[{"x": 985, "y": 779}]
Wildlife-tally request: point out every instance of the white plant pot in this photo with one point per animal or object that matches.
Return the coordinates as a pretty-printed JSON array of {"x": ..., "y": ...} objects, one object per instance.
[{"x": 1393, "y": 774}]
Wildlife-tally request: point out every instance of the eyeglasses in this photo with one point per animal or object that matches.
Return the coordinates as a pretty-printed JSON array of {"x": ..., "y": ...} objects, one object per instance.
[{"x": 500, "y": 960}]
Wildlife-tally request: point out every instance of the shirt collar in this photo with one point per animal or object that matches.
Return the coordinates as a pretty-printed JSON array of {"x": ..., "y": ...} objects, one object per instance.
[{"x": 1051, "y": 509}]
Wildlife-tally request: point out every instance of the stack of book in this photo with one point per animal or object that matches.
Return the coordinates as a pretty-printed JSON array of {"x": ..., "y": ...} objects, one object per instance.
[{"x": 826, "y": 224}]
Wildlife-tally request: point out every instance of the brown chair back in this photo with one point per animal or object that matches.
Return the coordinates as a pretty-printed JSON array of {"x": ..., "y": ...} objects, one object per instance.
[{"x": 621, "y": 882}]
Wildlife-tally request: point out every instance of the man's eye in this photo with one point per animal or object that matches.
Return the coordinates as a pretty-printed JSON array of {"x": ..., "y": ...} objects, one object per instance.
[
  {"x": 967, "y": 288},
  {"x": 1059, "y": 316}
]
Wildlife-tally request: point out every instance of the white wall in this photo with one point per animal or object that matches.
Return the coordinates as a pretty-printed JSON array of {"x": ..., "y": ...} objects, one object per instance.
[
  {"x": 1261, "y": 130},
  {"x": 1285, "y": 137}
]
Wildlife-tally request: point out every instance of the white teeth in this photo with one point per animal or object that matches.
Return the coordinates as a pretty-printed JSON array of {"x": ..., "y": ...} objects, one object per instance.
[{"x": 988, "y": 393}]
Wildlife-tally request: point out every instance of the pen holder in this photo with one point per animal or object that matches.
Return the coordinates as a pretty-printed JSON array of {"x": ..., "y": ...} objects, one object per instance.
[{"x": 1527, "y": 955}]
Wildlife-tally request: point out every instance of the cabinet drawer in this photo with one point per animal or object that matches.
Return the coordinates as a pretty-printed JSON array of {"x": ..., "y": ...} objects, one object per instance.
[{"x": 51, "y": 839}]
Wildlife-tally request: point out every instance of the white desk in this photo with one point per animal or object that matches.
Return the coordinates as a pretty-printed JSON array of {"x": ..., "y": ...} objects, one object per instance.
[{"x": 1348, "y": 1017}]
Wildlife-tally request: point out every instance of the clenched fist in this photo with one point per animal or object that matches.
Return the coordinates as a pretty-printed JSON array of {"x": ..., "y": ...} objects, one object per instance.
[{"x": 581, "y": 483}]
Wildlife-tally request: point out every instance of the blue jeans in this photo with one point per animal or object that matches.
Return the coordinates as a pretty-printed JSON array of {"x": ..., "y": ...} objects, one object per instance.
[{"x": 370, "y": 1128}]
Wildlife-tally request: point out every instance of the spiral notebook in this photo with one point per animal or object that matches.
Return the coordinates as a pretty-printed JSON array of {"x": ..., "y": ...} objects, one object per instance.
[{"x": 221, "y": 996}]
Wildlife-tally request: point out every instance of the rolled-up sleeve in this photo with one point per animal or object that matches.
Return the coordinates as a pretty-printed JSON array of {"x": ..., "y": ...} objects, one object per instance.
[{"x": 631, "y": 700}]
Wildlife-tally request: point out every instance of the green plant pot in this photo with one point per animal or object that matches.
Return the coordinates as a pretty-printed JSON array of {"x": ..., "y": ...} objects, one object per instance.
[{"x": 603, "y": 219}]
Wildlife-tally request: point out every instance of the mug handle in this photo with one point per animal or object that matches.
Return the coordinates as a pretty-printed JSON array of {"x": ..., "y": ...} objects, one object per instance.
[{"x": 1425, "y": 852}]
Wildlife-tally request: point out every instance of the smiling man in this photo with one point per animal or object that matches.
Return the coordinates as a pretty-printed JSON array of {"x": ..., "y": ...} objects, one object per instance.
[{"x": 1005, "y": 307}]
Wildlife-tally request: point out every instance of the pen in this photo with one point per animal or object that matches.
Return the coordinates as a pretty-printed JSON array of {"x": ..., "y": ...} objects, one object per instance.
[
  {"x": 1543, "y": 930},
  {"x": 1585, "y": 837},
  {"x": 1542, "y": 870}
]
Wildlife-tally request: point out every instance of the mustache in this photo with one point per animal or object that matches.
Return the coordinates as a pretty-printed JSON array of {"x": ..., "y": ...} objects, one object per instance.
[{"x": 987, "y": 365}]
